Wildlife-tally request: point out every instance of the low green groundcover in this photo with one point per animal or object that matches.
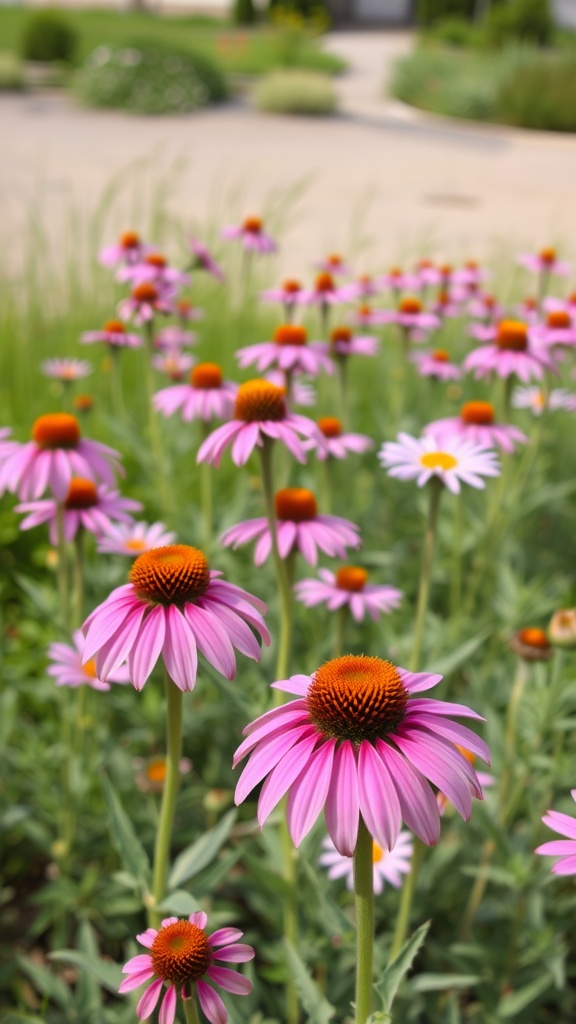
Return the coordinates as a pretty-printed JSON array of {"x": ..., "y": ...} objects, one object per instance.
[{"x": 149, "y": 79}]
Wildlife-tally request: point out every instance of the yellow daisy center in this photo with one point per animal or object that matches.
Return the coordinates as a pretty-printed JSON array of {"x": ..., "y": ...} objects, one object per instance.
[{"x": 438, "y": 460}]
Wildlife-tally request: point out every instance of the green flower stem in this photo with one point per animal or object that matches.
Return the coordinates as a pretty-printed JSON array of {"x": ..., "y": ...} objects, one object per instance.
[
  {"x": 285, "y": 592},
  {"x": 116, "y": 383},
  {"x": 477, "y": 891},
  {"x": 153, "y": 431},
  {"x": 78, "y": 589},
  {"x": 169, "y": 794},
  {"x": 191, "y": 1010},
  {"x": 510, "y": 733},
  {"x": 342, "y": 616},
  {"x": 62, "y": 575},
  {"x": 329, "y": 467},
  {"x": 289, "y": 912},
  {"x": 342, "y": 370},
  {"x": 435, "y": 488},
  {"x": 456, "y": 595},
  {"x": 364, "y": 898},
  {"x": 206, "y": 481},
  {"x": 403, "y": 917}
]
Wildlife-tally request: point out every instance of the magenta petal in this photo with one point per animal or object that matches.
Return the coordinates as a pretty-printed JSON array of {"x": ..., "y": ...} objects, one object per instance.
[
  {"x": 118, "y": 647},
  {"x": 149, "y": 999},
  {"x": 135, "y": 980},
  {"x": 266, "y": 757},
  {"x": 168, "y": 1008},
  {"x": 147, "y": 938},
  {"x": 308, "y": 794},
  {"x": 417, "y": 801},
  {"x": 566, "y": 866},
  {"x": 230, "y": 981},
  {"x": 562, "y": 823},
  {"x": 417, "y": 681},
  {"x": 212, "y": 639},
  {"x": 342, "y": 806},
  {"x": 211, "y": 1004},
  {"x": 237, "y": 953},
  {"x": 277, "y": 721},
  {"x": 557, "y": 848},
  {"x": 179, "y": 653},
  {"x": 142, "y": 962},
  {"x": 147, "y": 647},
  {"x": 285, "y": 773},
  {"x": 452, "y": 731},
  {"x": 379, "y": 804},
  {"x": 224, "y": 936},
  {"x": 199, "y": 918},
  {"x": 432, "y": 757}
]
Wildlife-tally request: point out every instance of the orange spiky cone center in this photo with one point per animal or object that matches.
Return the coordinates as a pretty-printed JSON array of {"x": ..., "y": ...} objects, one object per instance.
[
  {"x": 173, "y": 574},
  {"x": 114, "y": 327},
  {"x": 548, "y": 255},
  {"x": 330, "y": 426},
  {"x": 357, "y": 698},
  {"x": 296, "y": 504},
  {"x": 324, "y": 282},
  {"x": 534, "y": 637},
  {"x": 253, "y": 225},
  {"x": 340, "y": 334},
  {"x": 82, "y": 493},
  {"x": 56, "y": 430},
  {"x": 559, "y": 319},
  {"x": 291, "y": 286},
  {"x": 410, "y": 305},
  {"x": 512, "y": 336},
  {"x": 480, "y": 414},
  {"x": 352, "y": 578},
  {"x": 181, "y": 953},
  {"x": 129, "y": 240},
  {"x": 290, "y": 334},
  {"x": 155, "y": 259},
  {"x": 258, "y": 400},
  {"x": 145, "y": 292},
  {"x": 206, "y": 376},
  {"x": 440, "y": 355}
]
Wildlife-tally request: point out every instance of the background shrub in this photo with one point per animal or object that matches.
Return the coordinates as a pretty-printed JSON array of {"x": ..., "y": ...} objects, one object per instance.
[
  {"x": 523, "y": 21},
  {"x": 540, "y": 92},
  {"x": 430, "y": 11},
  {"x": 313, "y": 9},
  {"x": 48, "y": 37},
  {"x": 11, "y": 71},
  {"x": 243, "y": 12},
  {"x": 295, "y": 92},
  {"x": 148, "y": 79}
]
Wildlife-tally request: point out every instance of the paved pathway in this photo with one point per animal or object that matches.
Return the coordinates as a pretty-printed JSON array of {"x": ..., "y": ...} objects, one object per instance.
[{"x": 379, "y": 181}]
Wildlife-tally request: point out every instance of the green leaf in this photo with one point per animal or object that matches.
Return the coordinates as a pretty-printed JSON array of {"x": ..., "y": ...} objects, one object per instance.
[
  {"x": 88, "y": 991},
  {"x": 516, "y": 1001},
  {"x": 450, "y": 662},
  {"x": 319, "y": 1010},
  {"x": 210, "y": 878},
  {"x": 46, "y": 983},
  {"x": 179, "y": 902},
  {"x": 202, "y": 852},
  {"x": 107, "y": 973},
  {"x": 443, "y": 982},
  {"x": 331, "y": 917},
  {"x": 394, "y": 974},
  {"x": 124, "y": 839},
  {"x": 21, "y": 1018}
]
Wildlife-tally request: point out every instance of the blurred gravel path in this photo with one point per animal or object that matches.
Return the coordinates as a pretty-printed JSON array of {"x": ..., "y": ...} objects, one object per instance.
[{"x": 381, "y": 182}]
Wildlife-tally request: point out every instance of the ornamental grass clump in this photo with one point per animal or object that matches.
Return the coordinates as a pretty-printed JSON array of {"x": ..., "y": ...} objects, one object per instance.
[{"x": 296, "y": 92}]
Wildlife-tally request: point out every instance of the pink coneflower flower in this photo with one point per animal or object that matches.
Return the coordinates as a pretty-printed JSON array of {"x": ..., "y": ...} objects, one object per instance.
[
  {"x": 565, "y": 849},
  {"x": 181, "y": 956},
  {"x": 154, "y": 268},
  {"x": 56, "y": 453},
  {"x": 411, "y": 316},
  {"x": 389, "y": 865},
  {"x": 486, "y": 307},
  {"x": 365, "y": 287},
  {"x": 207, "y": 396},
  {"x": 146, "y": 300},
  {"x": 544, "y": 262},
  {"x": 86, "y": 506},
  {"x": 174, "y": 365},
  {"x": 260, "y": 412},
  {"x": 174, "y": 605},
  {"x": 485, "y": 779},
  {"x": 324, "y": 293},
  {"x": 334, "y": 264},
  {"x": 445, "y": 305},
  {"x": 7, "y": 447},
  {"x": 132, "y": 539},
  {"x": 66, "y": 370},
  {"x": 528, "y": 310},
  {"x": 68, "y": 670},
  {"x": 151, "y": 772},
  {"x": 113, "y": 333},
  {"x": 477, "y": 424},
  {"x": 343, "y": 343},
  {"x": 299, "y": 527},
  {"x": 186, "y": 312},
  {"x": 550, "y": 304},
  {"x": 397, "y": 280},
  {"x": 559, "y": 328},
  {"x": 349, "y": 587},
  {"x": 513, "y": 351},
  {"x": 174, "y": 338},
  {"x": 452, "y": 459},
  {"x": 536, "y": 400},
  {"x": 366, "y": 316},
  {"x": 83, "y": 403},
  {"x": 252, "y": 235},
  {"x": 334, "y": 442},
  {"x": 436, "y": 364},
  {"x": 288, "y": 294},
  {"x": 290, "y": 351},
  {"x": 358, "y": 740},
  {"x": 202, "y": 258},
  {"x": 469, "y": 277},
  {"x": 128, "y": 249},
  {"x": 301, "y": 393}
]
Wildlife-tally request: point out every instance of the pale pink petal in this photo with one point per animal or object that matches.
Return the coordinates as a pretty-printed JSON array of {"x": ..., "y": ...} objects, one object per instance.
[
  {"x": 135, "y": 980},
  {"x": 212, "y": 639},
  {"x": 417, "y": 800},
  {"x": 147, "y": 647},
  {"x": 308, "y": 794},
  {"x": 284, "y": 774},
  {"x": 199, "y": 918},
  {"x": 168, "y": 1007},
  {"x": 142, "y": 962},
  {"x": 147, "y": 938},
  {"x": 342, "y": 807},
  {"x": 149, "y": 999},
  {"x": 266, "y": 757},
  {"x": 224, "y": 936},
  {"x": 211, "y": 1004},
  {"x": 179, "y": 653},
  {"x": 237, "y": 953},
  {"x": 230, "y": 981},
  {"x": 379, "y": 804}
]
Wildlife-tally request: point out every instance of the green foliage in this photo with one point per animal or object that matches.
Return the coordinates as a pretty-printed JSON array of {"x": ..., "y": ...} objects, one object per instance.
[
  {"x": 309, "y": 10},
  {"x": 146, "y": 79},
  {"x": 296, "y": 92},
  {"x": 11, "y": 71},
  {"x": 243, "y": 12},
  {"x": 455, "y": 31},
  {"x": 519, "y": 21},
  {"x": 540, "y": 92},
  {"x": 430, "y": 11},
  {"x": 458, "y": 85},
  {"x": 49, "y": 36}
]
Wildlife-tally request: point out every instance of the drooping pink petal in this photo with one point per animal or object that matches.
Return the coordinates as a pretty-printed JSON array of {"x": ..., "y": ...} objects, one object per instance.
[
  {"x": 417, "y": 800},
  {"x": 212, "y": 639},
  {"x": 284, "y": 774},
  {"x": 117, "y": 648},
  {"x": 168, "y": 1007},
  {"x": 237, "y": 953},
  {"x": 451, "y": 731},
  {"x": 342, "y": 805},
  {"x": 211, "y": 1003},
  {"x": 230, "y": 981},
  {"x": 224, "y": 936},
  {"x": 135, "y": 980},
  {"x": 266, "y": 757},
  {"x": 444, "y": 771},
  {"x": 379, "y": 804},
  {"x": 308, "y": 794},
  {"x": 180, "y": 653},
  {"x": 149, "y": 999},
  {"x": 142, "y": 962},
  {"x": 147, "y": 647}
]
